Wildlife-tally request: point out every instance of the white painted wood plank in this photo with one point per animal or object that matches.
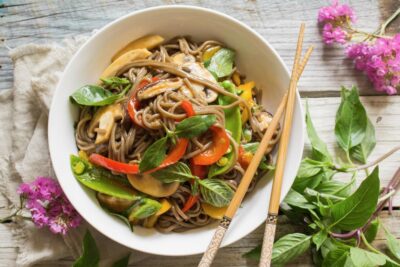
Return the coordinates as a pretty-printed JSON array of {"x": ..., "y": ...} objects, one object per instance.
[{"x": 277, "y": 21}]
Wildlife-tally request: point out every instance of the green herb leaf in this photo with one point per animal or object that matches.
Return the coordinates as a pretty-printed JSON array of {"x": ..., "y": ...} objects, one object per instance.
[
  {"x": 194, "y": 126},
  {"x": 336, "y": 258},
  {"x": 336, "y": 188},
  {"x": 351, "y": 120},
  {"x": 354, "y": 211},
  {"x": 253, "y": 254},
  {"x": 251, "y": 147},
  {"x": 372, "y": 230},
  {"x": 146, "y": 208},
  {"x": 178, "y": 172},
  {"x": 290, "y": 247},
  {"x": 216, "y": 192},
  {"x": 123, "y": 262},
  {"x": 319, "y": 148},
  {"x": 90, "y": 256},
  {"x": 308, "y": 169},
  {"x": 114, "y": 82},
  {"x": 121, "y": 217},
  {"x": 319, "y": 238},
  {"x": 393, "y": 243},
  {"x": 93, "y": 95},
  {"x": 363, "y": 258},
  {"x": 101, "y": 180},
  {"x": 154, "y": 155},
  {"x": 221, "y": 63},
  {"x": 285, "y": 249},
  {"x": 361, "y": 151},
  {"x": 295, "y": 199}
]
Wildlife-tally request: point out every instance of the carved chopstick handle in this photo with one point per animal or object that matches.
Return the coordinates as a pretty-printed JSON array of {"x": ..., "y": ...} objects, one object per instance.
[
  {"x": 268, "y": 242},
  {"x": 213, "y": 247}
]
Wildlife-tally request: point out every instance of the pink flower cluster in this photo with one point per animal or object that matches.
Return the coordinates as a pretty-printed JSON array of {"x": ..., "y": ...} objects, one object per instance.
[
  {"x": 380, "y": 61},
  {"x": 333, "y": 18},
  {"x": 48, "y": 205}
]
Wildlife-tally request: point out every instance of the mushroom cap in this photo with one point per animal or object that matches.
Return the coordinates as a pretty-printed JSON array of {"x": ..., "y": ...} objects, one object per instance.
[{"x": 150, "y": 185}]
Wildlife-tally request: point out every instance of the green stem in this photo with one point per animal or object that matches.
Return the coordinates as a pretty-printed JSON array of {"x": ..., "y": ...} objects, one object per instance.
[
  {"x": 388, "y": 195},
  {"x": 388, "y": 21},
  {"x": 9, "y": 217},
  {"x": 369, "y": 246}
]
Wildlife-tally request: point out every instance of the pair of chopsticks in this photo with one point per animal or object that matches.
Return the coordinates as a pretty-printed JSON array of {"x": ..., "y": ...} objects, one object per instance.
[{"x": 287, "y": 103}]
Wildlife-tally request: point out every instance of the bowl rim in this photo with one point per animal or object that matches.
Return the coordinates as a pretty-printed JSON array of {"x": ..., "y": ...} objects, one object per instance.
[{"x": 183, "y": 8}]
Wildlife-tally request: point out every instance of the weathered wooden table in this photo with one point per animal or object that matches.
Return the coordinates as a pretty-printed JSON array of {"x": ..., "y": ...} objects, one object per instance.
[{"x": 42, "y": 21}]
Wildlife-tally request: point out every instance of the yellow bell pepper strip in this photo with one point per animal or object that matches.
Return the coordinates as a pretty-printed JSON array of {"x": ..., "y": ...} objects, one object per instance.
[
  {"x": 210, "y": 52},
  {"x": 233, "y": 124},
  {"x": 236, "y": 78},
  {"x": 214, "y": 212},
  {"x": 247, "y": 95},
  {"x": 151, "y": 221}
]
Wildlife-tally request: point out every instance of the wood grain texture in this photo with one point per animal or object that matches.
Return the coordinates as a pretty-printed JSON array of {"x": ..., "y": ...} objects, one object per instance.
[
  {"x": 42, "y": 21},
  {"x": 277, "y": 21}
]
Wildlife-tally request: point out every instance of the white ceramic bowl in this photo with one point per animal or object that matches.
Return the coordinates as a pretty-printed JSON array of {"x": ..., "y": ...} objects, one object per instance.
[{"x": 255, "y": 57}]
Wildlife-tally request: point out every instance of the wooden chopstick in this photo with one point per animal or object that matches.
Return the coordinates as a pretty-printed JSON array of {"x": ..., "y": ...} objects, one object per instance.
[
  {"x": 270, "y": 226},
  {"x": 215, "y": 243}
]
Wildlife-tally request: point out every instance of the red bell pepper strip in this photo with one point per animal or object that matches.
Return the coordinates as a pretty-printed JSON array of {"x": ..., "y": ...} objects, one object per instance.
[
  {"x": 220, "y": 144},
  {"x": 244, "y": 158},
  {"x": 113, "y": 165},
  {"x": 134, "y": 104},
  {"x": 188, "y": 108},
  {"x": 199, "y": 171}
]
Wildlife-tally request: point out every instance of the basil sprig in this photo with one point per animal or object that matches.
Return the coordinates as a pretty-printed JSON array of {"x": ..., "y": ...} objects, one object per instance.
[
  {"x": 94, "y": 95},
  {"x": 214, "y": 191},
  {"x": 328, "y": 208},
  {"x": 187, "y": 128},
  {"x": 221, "y": 63}
]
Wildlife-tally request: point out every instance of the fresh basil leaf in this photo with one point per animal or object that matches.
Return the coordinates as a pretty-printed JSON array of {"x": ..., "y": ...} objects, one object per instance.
[
  {"x": 332, "y": 244},
  {"x": 336, "y": 258},
  {"x": 221, "y": 63},
  {"x": 178, "y": 172},
  {"x": 194, "y": 126},
  {"x": 146, "y": 208},
  {"x": 354, "y": 211},
  {"x": 285, "y": 249},
  {"x": 154, "y": 155},
  {"x": 253, "y": 254},
  {"x": 93, "y": 95},
  {"x": 216, "y": 192},
  {"x": 319, "y": 238},
  {"x": 100, "y": 179},
  {"x": 336, "y": 188},
  {"x": 123, "y": 262},
  {"x": 290, "y": 247},
  {"x": 351, "y": 120},
  {"x": 312, "y": 194},
  {"x": 372, "y": 230},
  {"x": 90, "y": 256},
  {"x": 361, "y": 151},
  {"x": 392, "y": 243},
  {"x": 391, "y": 263},
  {"x": 308, "y": 169},
  {"x": 319, "y": 148},
  {"x": 295, "y": 199},
  {"x": 363, "y": 258},
  {"x": 114, "y": 82},
  {"x": 119, "y": 216}
]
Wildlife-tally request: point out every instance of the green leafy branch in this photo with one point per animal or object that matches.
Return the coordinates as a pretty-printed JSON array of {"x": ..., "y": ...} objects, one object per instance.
[{"x": 339, "y": 223}]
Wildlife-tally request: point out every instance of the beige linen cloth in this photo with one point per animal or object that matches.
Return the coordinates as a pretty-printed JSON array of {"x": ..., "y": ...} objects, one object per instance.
[{"x": 24, "y": 152}]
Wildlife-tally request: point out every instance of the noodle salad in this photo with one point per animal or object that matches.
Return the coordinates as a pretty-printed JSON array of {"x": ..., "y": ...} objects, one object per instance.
[{"x": 166, "y": 136}]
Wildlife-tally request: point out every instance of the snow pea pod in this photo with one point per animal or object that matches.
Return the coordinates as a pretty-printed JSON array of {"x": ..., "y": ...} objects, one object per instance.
[{"x": 233, "y": 124}]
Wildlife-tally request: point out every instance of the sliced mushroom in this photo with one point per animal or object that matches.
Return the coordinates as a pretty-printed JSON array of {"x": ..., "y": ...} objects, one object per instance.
[
  {"x": 263, "y": 119},
  {"x": 148, "y": 42},
  {"x": 188, "y": 63},
  {"x": 124, "y": 60},
  {"x": 152, "y": 186},
  {"x": 115, "y": 204},
  {"x": 159, "y": 87},
  {"x": 103, "y": 122}
]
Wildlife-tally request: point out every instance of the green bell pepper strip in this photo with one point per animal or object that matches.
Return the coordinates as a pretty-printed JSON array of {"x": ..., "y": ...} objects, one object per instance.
[{"x": 233, "y": 124}]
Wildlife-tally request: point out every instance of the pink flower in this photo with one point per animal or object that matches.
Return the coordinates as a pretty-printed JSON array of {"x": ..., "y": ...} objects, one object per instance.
[
  {"x": 336, "y": 13},
  {"x": 48, "y": 205},
  {"x": 333, "y": 35},
  {"x": 380, "y": 61}
]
